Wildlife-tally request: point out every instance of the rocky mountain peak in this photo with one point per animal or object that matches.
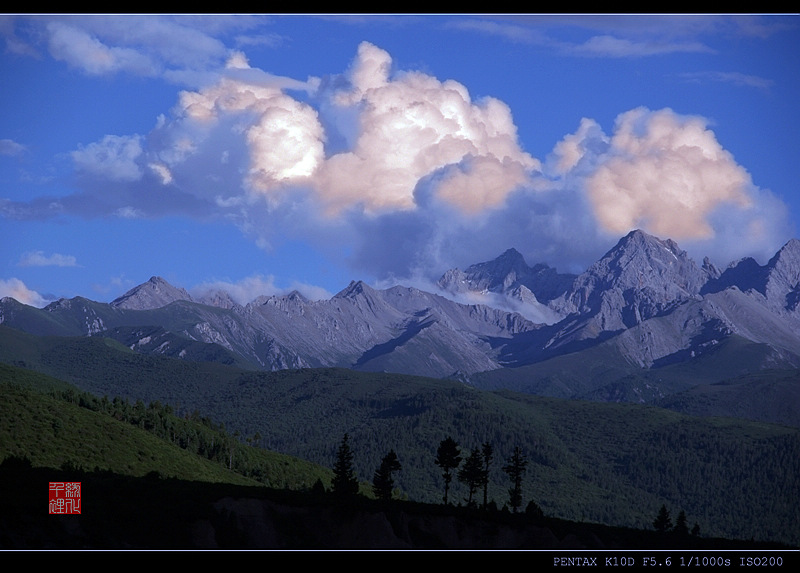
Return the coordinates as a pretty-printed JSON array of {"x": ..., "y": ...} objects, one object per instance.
[
  {"x": 645, "y": 299},
  {"x": 745, "y": 274},
  {"x": 355, "y": 289},
  {"x": 296, "y": 296},
  {"x": 641, "y": 261},
  {"x": 783, "y": 276},
  {"x": 506, "y": 274},
  {"x": 787, "y": 260},
  {"x": 155, "y": 293},
  {"x": 218, "y": 298},
  {"x": 640, "y": 277},
  {"x": 512, "y": 257},
  {"x": 511, "y": 262},
  {"x": 778, "y": 281}
]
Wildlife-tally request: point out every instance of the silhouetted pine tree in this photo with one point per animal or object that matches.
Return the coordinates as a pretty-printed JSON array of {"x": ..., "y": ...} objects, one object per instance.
[
  {"x": 344, "y": 482},
  {"x": 662, "y": 522},
  {"x": 681, "y": 527},
  {"x": 472, "y": 473},
  {"x": 448, "y": 457},
  {"x": 488, "y": 454},
  {"x": 515, "y": 468},
  {"x": 382, "y": 482}
]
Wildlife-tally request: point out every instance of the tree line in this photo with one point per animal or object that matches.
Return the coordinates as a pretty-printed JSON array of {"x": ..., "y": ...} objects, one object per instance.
[
  {"x": 191, "y": 431},
  {"x": 663, "y": 524},
  {"x": 474, "y": 473}
]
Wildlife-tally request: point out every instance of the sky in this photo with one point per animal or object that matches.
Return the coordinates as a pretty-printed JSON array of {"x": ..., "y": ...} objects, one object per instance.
[{"x": 267, "y": 153}]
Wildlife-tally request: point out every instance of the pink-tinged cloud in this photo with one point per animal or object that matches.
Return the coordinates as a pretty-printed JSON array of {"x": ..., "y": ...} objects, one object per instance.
[
  {"x": 17, "y": 290},
  {"x": 403, "y": 129},
  {"x": 573, "y": 147},
  {"x": 413, "y": 125},
  {"x": 400, "y": 172},
  {"x": 666, "y": 174}
]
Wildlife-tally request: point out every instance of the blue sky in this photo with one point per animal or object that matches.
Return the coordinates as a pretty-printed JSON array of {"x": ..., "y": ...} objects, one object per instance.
[{"x": 268, "y": 153}]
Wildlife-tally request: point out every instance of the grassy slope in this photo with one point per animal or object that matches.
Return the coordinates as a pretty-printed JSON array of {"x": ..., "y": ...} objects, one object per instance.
[{"x": 53, "y": 433}]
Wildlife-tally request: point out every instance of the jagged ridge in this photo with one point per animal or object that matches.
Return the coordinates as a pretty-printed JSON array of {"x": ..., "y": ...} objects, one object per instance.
[{"x": 645, "y": 297}]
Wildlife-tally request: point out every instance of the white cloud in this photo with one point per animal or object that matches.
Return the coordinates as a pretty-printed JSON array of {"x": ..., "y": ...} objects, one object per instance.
[
  {"x": 79, "y": 49},
  {"x": 244, "y": 138},
  {"x": 11, "y": 147},
  {"x": 39, "y": 259},
  {"x": 182, "y": 49},
  {"x": 114, "y": 158},
  {"x": 129, "y": 212},
  {"x": 250, "y": 288},
  {"x": 735, "y": 78},
  {"x": 512, "y": 32},
  {"x": 411, "y": 126},
  {"x": 17, "y": 290},
  {"x": 162, "y": 171},
  {"x": 573, "y": 148},
  {"x": 620, "y": 36},
  {"x": 610, "y": 46},
  {"x": 398, "y": 171}
]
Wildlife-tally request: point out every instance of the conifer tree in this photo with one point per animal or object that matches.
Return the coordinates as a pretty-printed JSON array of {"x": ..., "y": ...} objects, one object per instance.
[
  {"x": 662, "y": 522},
  {"x": 681, "y": 526},
  {"x": 383, "y": 482},
  {"x": 472, "y": 473},
  {"x": 448, "y": 457},
  {"x": 515, "y": 468},
  {"x": 488, "y": 454},
  {"x": 344, "y": 482}
]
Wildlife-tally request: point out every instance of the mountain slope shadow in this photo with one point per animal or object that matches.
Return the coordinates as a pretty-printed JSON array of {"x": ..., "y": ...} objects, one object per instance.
[{"x": 388, "y": 347}]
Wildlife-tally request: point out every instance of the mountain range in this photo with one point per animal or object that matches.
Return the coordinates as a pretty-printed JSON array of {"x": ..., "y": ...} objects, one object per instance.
[{"x": 631, "y": 327}]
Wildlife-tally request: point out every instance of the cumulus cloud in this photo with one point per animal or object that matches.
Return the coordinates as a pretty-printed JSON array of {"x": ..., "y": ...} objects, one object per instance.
[
  {"x": 244, "y": 139},
  {"x": 574, "y": 147},
  {"x": 17, "y": 290},
  {"x": 665, "y": 173},
  {"x": 668, "y": 174},
  {"x": 114, "y": 158},
  {"x": 39, "y": 259},
  {"x": 411, "y": 126},
  {"x": 399, "y": 173}
]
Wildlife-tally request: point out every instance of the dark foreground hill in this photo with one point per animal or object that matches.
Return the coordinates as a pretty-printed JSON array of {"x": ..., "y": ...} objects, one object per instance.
[{"x": 123, "y": 512}]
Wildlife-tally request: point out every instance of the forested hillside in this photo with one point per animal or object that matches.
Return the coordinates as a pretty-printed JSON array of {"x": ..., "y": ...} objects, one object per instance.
[{"x": 601, "y": 462}]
